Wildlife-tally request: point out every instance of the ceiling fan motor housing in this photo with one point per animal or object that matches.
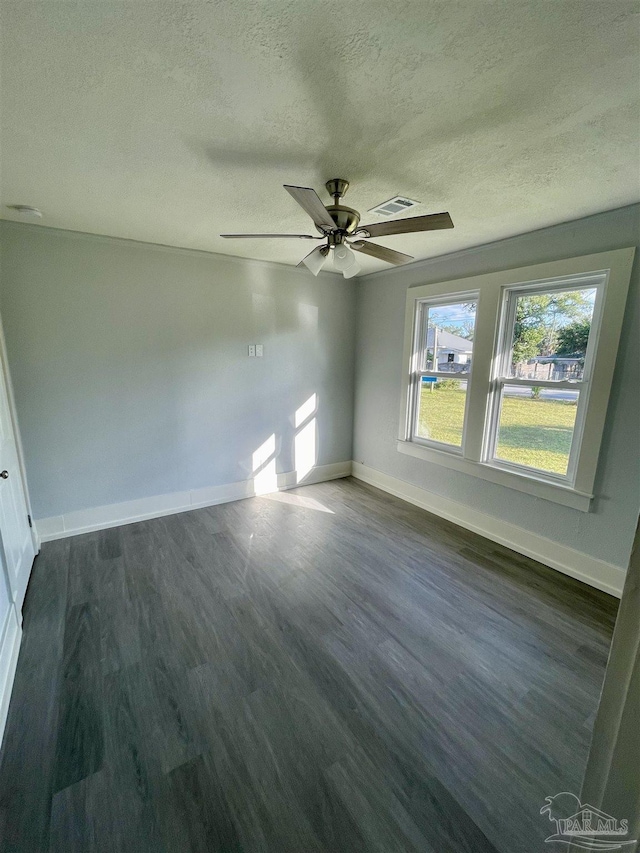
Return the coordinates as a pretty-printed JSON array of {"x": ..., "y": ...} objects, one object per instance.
[{"x": 345, "y": 218}]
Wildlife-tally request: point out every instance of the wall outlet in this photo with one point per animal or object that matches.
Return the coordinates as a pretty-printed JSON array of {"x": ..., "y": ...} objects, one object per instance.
[
  {"x": 259, "y": 350},
  {"x": 252, "y": 350}
]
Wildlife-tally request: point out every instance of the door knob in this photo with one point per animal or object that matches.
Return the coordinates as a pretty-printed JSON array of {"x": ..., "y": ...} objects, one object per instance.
[{"x": 4, "y": 474}]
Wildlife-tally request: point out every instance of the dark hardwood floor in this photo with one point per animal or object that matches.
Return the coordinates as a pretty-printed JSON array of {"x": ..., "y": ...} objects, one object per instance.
[{"x": 328, "y": 669}]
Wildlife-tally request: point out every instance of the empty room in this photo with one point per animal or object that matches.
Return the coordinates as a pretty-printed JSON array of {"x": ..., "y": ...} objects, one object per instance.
[{"x": 319, "y": 426}]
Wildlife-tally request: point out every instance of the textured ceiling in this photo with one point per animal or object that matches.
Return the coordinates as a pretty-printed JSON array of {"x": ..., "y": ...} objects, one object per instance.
[{"x": 171, "y": 121}]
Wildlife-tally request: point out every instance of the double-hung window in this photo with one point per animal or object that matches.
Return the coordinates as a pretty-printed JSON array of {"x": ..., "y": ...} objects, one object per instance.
[
  {"x": 443, "y": 356},
  {"x": 508, "y": 374}
]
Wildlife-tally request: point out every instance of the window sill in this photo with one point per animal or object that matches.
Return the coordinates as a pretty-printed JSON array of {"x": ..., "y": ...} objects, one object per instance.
[{"x": 521, "y": 482}]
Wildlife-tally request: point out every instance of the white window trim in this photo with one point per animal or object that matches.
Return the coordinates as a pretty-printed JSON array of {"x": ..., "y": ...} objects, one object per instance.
[{"x": 616, "y": 266}]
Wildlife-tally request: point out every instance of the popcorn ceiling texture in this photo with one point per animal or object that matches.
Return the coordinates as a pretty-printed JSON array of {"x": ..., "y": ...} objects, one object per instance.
[{"x": 169, "y": 122}]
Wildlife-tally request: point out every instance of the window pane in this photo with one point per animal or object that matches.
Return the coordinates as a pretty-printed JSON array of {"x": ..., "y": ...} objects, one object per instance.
[
  {"x": 536, "y": 427},
  {"x": 449, "y": 344},
  {"x": 550, "y": 334},
  {"x": 441, "y": 409}
]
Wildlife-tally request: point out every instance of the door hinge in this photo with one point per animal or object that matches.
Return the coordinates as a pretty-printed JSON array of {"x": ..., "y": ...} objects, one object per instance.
[{"x": 29, "y": 520}]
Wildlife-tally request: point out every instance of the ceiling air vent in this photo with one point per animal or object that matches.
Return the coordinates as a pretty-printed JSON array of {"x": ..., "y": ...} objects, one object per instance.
[{"x": 394, "y": 206}]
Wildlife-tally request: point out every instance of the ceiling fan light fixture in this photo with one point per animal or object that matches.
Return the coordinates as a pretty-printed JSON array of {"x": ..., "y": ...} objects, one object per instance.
[
  {"x": 316, "y": 260},
  {"x": 354, "y": 269},
  {"x": 343, "y": 257}
]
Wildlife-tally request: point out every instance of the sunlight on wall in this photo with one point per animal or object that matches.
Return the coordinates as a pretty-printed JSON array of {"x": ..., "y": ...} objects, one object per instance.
[
  {"x": 305, "y": 450},
  {"x": 262, "y": 455},
  {"x": 306, "y": 410},
  {"x": 265, "y": 479},
  {"x": 305, "y": 442}
]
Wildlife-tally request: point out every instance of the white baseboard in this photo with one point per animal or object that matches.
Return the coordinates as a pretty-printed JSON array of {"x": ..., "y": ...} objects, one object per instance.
[
  {"x": 9, "y": 649},
  {"x": 590, "y": 570},
  {"x": 114, "y": 515}
]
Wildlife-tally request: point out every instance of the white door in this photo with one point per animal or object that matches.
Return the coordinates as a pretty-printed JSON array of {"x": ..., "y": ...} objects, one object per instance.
[{"x": 15, "y": 533}]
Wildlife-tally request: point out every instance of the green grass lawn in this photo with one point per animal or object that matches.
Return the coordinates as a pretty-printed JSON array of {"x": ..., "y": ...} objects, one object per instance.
[{"x": 532, "y": 432}]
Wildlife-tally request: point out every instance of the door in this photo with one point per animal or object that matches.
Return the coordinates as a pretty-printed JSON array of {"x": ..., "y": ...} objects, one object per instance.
[{"x": 15, "y": 533}]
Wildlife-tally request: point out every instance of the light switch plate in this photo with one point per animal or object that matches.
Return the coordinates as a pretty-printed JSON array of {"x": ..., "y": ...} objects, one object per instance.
[
  {"x": 252, "y": 350},
  {"x": 259, "y": 350}
]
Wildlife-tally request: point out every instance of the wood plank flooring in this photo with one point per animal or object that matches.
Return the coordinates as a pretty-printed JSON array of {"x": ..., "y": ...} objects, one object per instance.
[{"x": 328, "y": 669}]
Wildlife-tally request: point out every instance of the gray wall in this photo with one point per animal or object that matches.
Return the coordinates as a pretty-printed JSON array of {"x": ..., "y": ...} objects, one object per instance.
[
  {"x": 130, "y": 366},
  {"x": 607, "y": 531},
  {"x": 131, "y": 376}
]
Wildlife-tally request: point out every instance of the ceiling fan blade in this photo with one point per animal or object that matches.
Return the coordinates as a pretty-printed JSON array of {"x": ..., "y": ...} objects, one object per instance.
[
  {"x": 381, "y": 253},
  {"x": 431, "y": 222},
  {"x": 253, "y": 236},
  {"x": 310, "y": 201}
]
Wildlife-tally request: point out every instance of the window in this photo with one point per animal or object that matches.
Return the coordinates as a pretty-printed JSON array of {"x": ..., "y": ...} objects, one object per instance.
[
  {"x": 542, "y": 381},
  {"x": 509, "y": 373},
  {"x": 444, "y": 350}
]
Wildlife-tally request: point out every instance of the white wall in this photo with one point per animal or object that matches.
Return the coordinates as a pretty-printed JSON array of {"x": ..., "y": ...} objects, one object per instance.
[
  {"x": 606, "y": 533},
  {"x": 130, "y": 366}
]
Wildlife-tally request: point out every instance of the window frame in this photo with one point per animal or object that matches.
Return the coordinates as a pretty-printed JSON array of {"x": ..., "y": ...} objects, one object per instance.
[{"x": 612, "y": 270}]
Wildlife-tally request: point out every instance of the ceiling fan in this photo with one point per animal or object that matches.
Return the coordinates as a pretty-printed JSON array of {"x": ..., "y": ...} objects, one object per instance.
[{"x": 340, "y": 227}]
